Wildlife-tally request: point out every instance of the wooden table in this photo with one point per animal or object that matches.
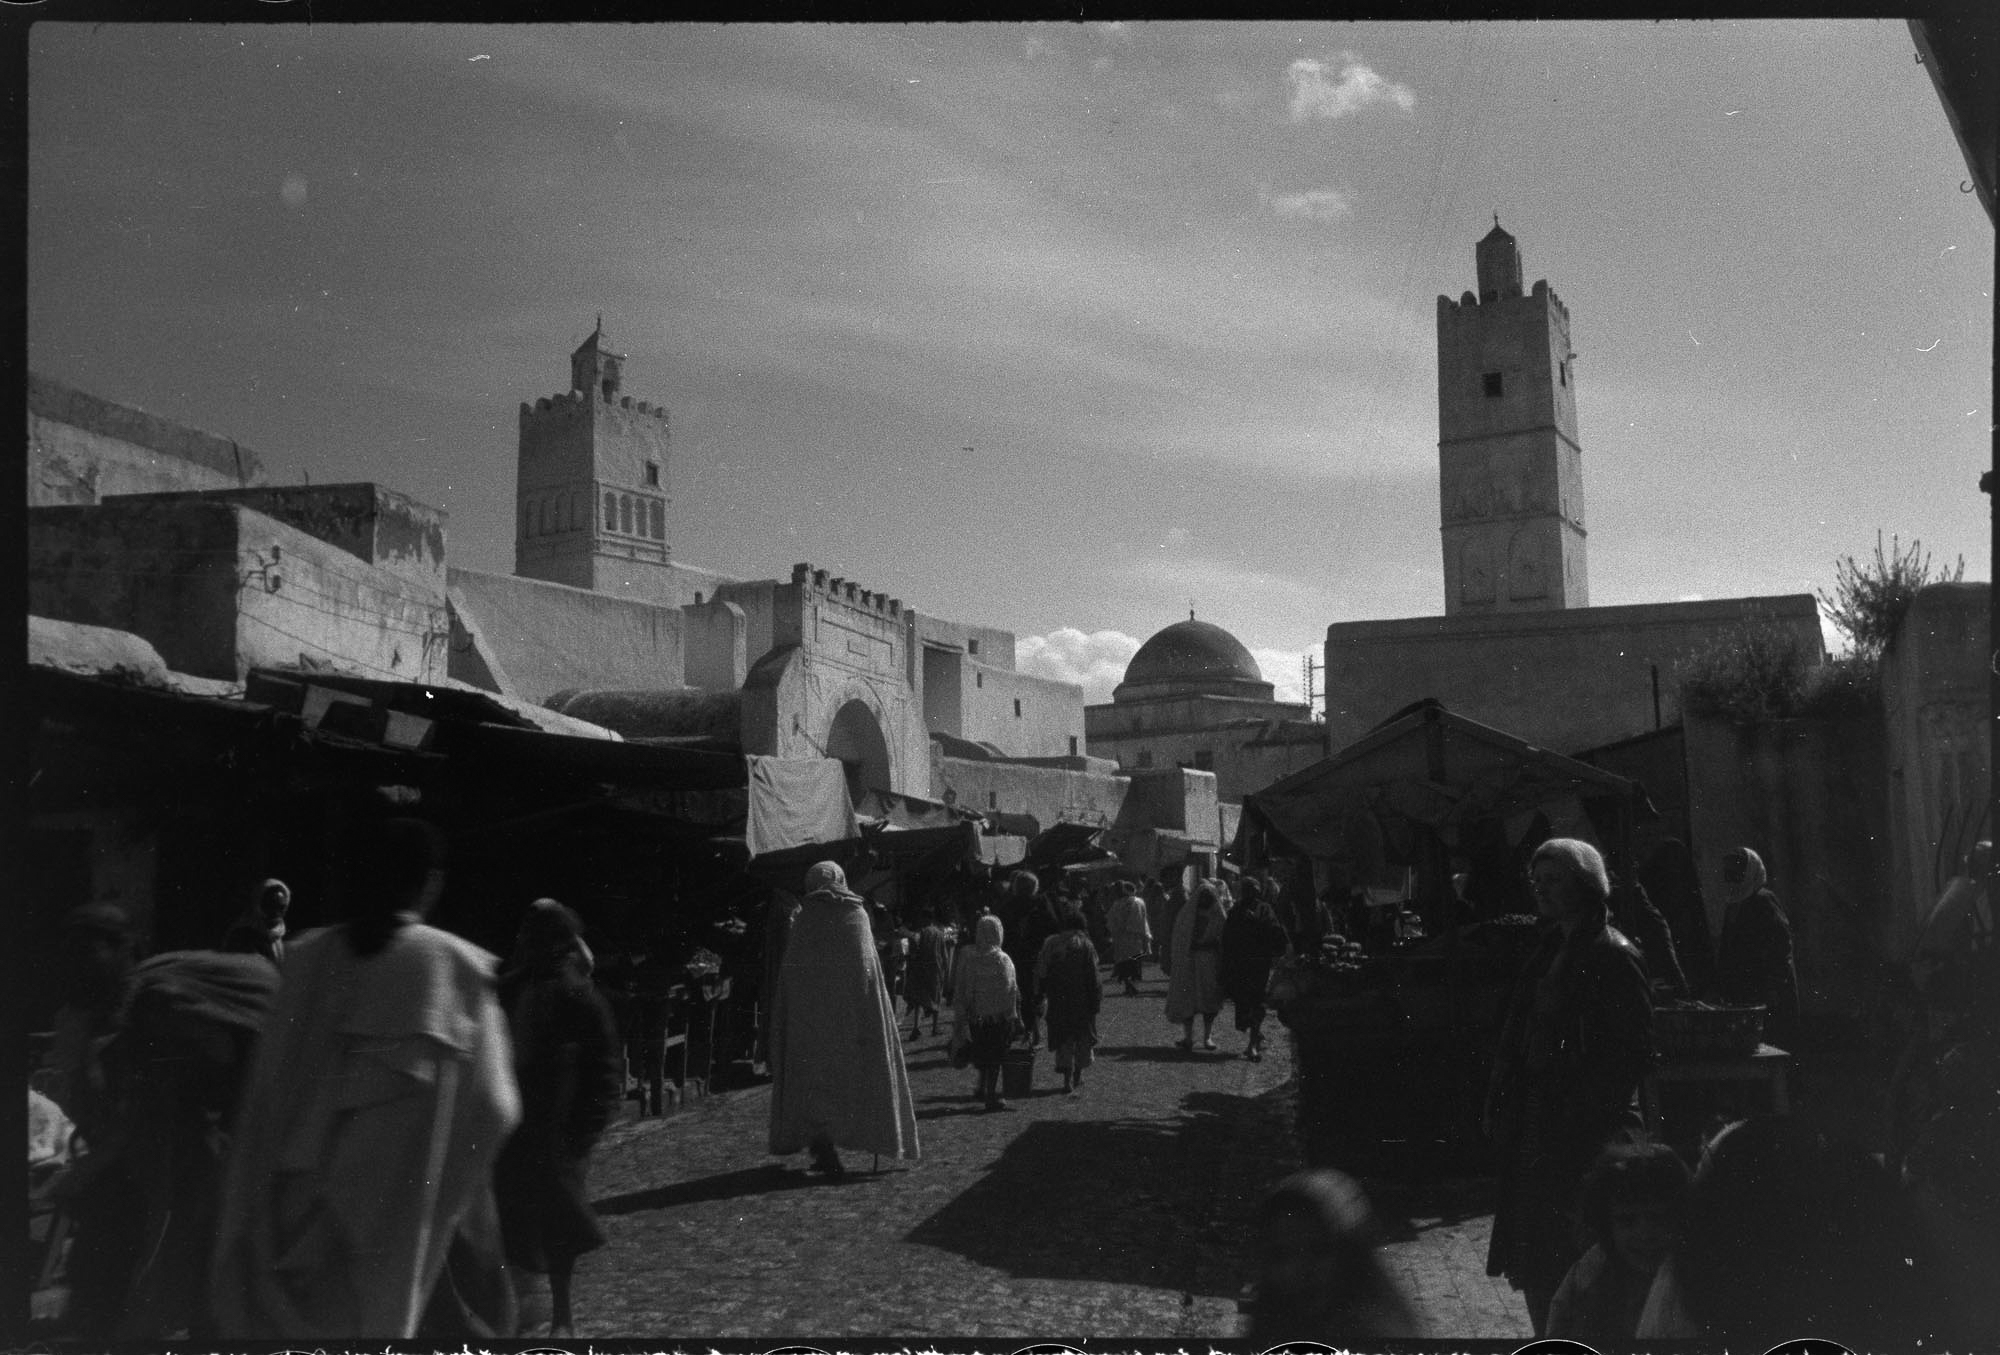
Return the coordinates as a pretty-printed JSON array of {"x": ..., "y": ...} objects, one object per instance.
[{"x": 1699, "y": 1088}]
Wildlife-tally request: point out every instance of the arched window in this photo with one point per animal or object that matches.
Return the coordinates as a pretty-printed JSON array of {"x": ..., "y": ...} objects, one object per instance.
[
  {"x": 610, "y": 511},
  {"x": 625, "y": 514},
  {"x": 656, "y": 514}
]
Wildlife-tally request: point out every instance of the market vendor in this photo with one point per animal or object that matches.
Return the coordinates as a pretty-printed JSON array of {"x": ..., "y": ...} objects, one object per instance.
[{"x": 1577, "y": 1039}]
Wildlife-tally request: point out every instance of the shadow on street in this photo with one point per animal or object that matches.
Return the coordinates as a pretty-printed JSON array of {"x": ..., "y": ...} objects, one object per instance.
[{"x": 762, "y": 1180}]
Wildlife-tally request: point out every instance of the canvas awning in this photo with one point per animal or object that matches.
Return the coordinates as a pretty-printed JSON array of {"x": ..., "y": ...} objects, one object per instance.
[
  {"x": 1426, "y": 766},
  {"x": 1065, "y": 844}
]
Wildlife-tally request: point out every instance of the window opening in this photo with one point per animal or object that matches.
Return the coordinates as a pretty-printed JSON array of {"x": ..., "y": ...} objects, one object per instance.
[
  {"x": 1491, "y": 380},
  {"x": 652, "y": 473}
]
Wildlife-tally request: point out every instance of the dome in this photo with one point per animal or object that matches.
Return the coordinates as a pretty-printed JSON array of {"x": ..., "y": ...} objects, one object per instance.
[{"x": 1194, "y": 656}]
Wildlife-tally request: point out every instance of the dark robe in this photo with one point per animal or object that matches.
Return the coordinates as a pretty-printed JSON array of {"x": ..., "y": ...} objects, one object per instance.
[
  {"x": 1578, "y": 1037},
  {"x": 567, "y": 1062}
]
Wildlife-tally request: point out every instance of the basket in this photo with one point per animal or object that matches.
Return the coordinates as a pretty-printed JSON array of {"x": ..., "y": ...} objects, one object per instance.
[
  {"x": 1713, "y": 1032},
  {"x": 1017, "y": 1072}
]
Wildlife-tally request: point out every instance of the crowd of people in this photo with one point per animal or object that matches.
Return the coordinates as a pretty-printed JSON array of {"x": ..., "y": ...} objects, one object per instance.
[
  {"x": 379, "y": 1128},
  {"x": 1777, "y": 1231}
]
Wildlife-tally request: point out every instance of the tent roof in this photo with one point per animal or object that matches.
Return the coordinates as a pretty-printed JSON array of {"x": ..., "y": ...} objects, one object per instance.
[{"x": 1428, "y": 765}]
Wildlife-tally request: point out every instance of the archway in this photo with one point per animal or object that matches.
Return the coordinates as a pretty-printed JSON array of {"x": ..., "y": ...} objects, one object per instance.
[{"x": 856, "y": 739}]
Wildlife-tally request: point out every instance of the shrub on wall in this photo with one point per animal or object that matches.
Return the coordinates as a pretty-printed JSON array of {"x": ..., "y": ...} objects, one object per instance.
[
  {"x": 1758, "y": 673},
  {"x": 1867, "y": 601}
]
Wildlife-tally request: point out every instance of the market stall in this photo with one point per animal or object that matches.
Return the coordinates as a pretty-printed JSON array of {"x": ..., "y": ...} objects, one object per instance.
[{"x": 1417, "y": 837}]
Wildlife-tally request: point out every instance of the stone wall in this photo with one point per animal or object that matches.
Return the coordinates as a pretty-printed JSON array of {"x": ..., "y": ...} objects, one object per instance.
[
  {"x": 1937, "y": 711},
  {"x": 1566, "y": 680},
  {"x": 533, "y": 639},
  {"x": 82, "y": 448},
  {"x": 1020, "y": 714},
  {"x": 219, "y": 589},
  {"x": 382, "y": 526},
  {"x": 1807, "y": 796}
]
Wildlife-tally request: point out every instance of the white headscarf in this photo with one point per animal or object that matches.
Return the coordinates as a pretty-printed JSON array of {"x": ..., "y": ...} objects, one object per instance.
[{"x": 1753, "y": 876}]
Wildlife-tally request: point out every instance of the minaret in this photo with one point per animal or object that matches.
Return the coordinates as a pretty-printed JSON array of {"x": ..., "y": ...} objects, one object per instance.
[
  {"x": 591, "y": 482},
  {"x": 1510, "y": 468}
]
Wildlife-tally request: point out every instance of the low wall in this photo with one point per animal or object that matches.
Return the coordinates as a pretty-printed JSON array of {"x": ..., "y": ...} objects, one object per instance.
[
  {"x": 218, "y": 589},
  {"x": 548, "y": 637}
]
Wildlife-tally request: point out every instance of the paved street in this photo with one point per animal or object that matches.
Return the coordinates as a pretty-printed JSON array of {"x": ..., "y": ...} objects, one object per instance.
[{"x": 1121, "y": 1211}]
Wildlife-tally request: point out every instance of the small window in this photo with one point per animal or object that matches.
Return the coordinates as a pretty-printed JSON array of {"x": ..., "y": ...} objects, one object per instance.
[
  {"x": 1145, "y": 757},
  {"x": 972, "y": 647},
  {"x": 653, "y": 474},
  {"x": 992, "y": 799},
  {"x": 1562, "y": 372},
  {"x": 656, "y": 516},
  {"x": 1017, "y": 708},
  {"x": 625, "y": 515},
  {"x": 1072, "y": 745},
  {"x": 979, "y": 679},
  {"x": 610, "y": 511},
  {"x": 1491, "y": 380}
]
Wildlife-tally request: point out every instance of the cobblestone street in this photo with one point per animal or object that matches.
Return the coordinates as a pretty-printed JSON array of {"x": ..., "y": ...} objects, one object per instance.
[{"x": 1121, "y": 1211}]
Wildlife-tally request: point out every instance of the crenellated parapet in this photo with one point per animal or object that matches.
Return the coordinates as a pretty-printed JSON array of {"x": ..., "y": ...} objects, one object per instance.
[
  {"x": 821, "y": 584},
  {"x": 1468, "y": 304},
  {"x": 577, "y": 400}
]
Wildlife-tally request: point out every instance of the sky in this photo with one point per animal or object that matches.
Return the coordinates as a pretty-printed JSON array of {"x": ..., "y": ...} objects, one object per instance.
[{"x": 1062, "y": 328}]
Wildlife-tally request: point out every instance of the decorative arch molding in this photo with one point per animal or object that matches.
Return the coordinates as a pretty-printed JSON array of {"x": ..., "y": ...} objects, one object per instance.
[{"x": 856, "y": 730}]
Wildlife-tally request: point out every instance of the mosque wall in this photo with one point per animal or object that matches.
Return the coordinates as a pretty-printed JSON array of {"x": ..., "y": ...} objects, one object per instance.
[{"x": 1567, "y": 680}]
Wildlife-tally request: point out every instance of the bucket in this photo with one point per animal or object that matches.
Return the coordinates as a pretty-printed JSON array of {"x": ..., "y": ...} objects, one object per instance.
[{"x": 1017, "y": 1072}]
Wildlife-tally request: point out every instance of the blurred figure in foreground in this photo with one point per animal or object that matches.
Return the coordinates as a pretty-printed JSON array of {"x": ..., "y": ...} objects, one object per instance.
[
  {"x": 358, "y": 1198},
  {"x": 1788, "y": 1235},
  {"x": 1631, "y": 1203},
  {"x": 566, "y": 1059},
  {"x": 1319, "y": 1277}
]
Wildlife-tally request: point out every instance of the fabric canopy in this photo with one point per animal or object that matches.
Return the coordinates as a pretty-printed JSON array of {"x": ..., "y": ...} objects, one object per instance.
[
  {"x": 794, "y": 801},
  {"x": 1424, "y": 766}
]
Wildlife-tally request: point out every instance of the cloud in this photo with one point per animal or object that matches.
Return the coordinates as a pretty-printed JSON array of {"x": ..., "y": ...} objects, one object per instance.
[
  {"x": 1316, "y": 204},
  {"x": 1094, "y": 661},
  {"x": 1355, "y": 87}
]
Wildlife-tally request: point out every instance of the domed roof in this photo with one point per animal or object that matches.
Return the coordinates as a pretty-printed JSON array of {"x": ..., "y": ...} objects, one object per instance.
[{"x": 1193, "y": 653}]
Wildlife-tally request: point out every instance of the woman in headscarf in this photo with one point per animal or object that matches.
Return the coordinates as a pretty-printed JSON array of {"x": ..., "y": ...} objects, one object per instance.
[
  {"x": 1195, "y": 986},
  {"x": 260, "y": 928},
  {"x": 1066, "y": 973},
  {"x": 1319, "y": 1275},
  {"x": 1252, "y": 937},
  {"x": 567, "y": 1062},
  {"x": 1578, "y": 1037},
  {"x": 985, "y": 1005},
  {"x": 1753, "y": 958},
  {"x": 837, "y": 1074}
]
